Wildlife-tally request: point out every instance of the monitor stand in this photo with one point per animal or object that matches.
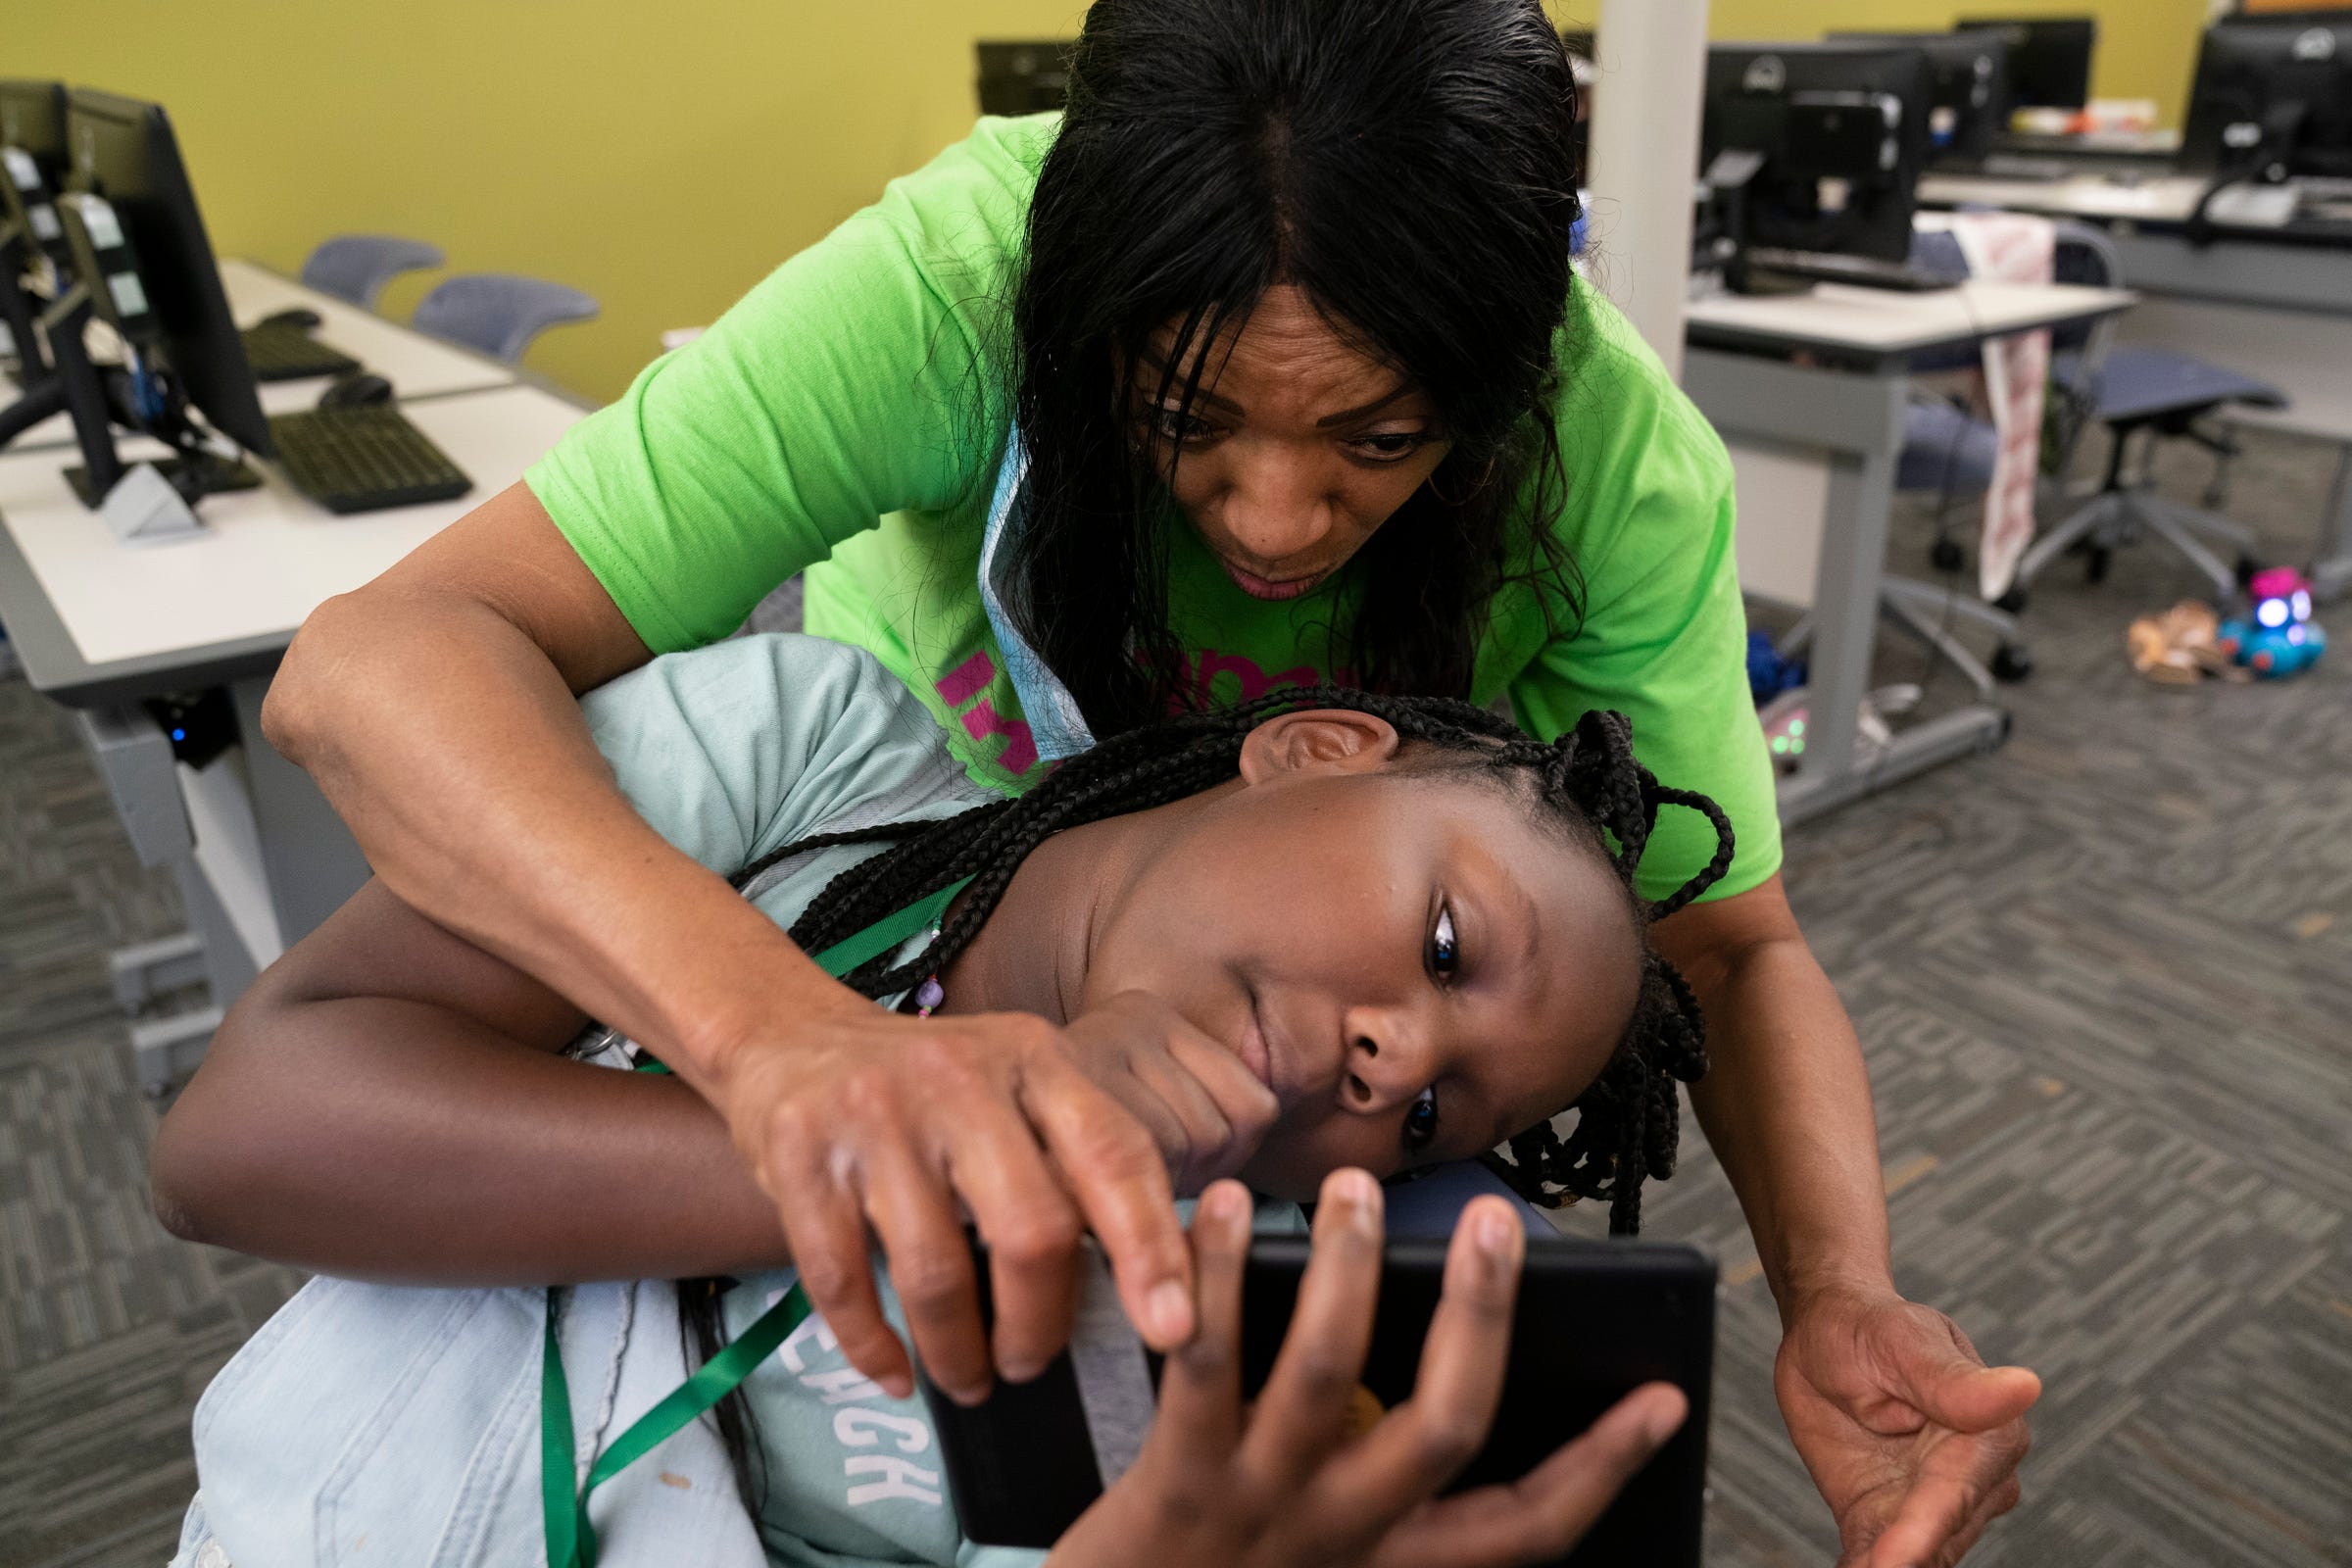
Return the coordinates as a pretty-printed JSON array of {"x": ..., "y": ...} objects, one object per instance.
[
  {"x": 194, "y": 474},
  {"x": 75, "y": 385}
]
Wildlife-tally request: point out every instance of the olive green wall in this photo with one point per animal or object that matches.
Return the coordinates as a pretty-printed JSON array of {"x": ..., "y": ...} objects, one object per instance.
[
  {"x": 661, "y": 154},
  {"x": 665, "y": 154}
]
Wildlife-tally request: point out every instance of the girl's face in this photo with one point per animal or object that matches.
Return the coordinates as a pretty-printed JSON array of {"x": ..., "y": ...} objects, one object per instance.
[
  {"x": 1297, "y": 445},
  {"x": 1416, "y": 965}
]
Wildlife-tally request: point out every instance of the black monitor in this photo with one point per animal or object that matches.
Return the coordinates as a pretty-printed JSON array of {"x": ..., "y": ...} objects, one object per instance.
[
  {"x": 1816, "y": 148},
  {"x": 2273, "y": 98},
  {"x": 1968, "y": 88},
  {"x": 32, "y": 120},
  {"x": 32, "y": 157},
  {"x": 2049, "y": 57},
  {"x": 123, "y": 150},
  {"x": 1024, "y": 76}
]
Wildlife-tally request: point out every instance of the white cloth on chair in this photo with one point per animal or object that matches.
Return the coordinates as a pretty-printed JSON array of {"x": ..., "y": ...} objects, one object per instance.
[{"x": 2010, "y": 248}]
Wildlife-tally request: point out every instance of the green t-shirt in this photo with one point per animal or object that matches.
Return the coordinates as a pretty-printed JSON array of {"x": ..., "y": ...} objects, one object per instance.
[{"x": 848, "y": 419}]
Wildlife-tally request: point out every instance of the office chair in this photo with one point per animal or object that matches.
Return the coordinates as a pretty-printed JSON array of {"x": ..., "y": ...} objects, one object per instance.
[
  {"x": 1949, "y": 452},
  {"x": 498, "y": 312},
  {"x": 357, "y": 266},
  {"x": 2132, "y": 390}
]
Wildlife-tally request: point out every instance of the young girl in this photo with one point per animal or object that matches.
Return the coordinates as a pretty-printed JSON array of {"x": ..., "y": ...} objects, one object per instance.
[{"x": 1390, "y": 932}]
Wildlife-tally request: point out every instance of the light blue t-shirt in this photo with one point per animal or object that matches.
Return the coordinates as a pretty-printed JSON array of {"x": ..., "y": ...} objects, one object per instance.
[{"x": 404, "y": 1422}]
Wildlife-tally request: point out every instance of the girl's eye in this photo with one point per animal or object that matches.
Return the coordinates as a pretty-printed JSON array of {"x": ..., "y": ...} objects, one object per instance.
[
  {"x": 1421, "y": 1120},
  {"x": 1445, "y": 949},
  {"x": 1187, "y": 429},
  {"x": 1393, "y": 446}
]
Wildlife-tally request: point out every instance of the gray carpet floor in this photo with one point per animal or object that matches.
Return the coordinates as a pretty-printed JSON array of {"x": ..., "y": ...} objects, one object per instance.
[{"x": 2102, "y": 978}]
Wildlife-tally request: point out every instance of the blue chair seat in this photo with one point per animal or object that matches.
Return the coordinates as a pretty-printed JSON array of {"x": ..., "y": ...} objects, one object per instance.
[
  {"x": 1945, "y": 451},
  {"x": 2139, "y": 384}
]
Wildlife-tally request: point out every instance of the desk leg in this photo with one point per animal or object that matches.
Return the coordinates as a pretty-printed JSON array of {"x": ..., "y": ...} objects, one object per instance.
[
  {"x": 1846, "y": 608},
  {"x": 1845, "y": 624},
  {"x": 2331, "y": 573},
  {"x": 312, "y": 863}
]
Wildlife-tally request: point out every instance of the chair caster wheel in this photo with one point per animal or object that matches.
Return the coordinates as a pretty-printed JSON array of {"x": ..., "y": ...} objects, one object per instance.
[
  {"x": 1945, "y": 554},
  {"x": 2011, "y": 664},
  {"x": 2013, "y": 602},
  {"x": 2095, "y": 569}
]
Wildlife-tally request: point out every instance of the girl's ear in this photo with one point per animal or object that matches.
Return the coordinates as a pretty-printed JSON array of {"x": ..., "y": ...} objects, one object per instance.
[{"x": 1318, "y": 740}]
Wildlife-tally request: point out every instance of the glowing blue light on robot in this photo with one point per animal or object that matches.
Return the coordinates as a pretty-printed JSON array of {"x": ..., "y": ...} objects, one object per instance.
[
  {"x": 2272, "y": 613},
  {"x": 2302, "y": 603}
]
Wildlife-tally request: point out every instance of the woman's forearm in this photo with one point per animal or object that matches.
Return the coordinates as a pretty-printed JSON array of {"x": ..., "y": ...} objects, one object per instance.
[
  {"x": 1786, "y": 1108},
  {"x": 430, "y": 711},
  {"x": 1785, "y": 1102},
  {"x": 397, "y": 1141}
]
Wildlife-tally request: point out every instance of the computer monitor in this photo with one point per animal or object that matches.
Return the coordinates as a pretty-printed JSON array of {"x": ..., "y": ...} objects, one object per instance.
[
  {"x": 1968, "y": 88},
  {"x": 2049, "y": 58},
  {"x": 32, "y": 156},
  {"x": 1024, "y": 76},
  {"x": 32, "y": 120},
  {"x": 1816, "y": 148},
  {"x": 123, "y": 150},
  {"x": 2273, "y": 98}
]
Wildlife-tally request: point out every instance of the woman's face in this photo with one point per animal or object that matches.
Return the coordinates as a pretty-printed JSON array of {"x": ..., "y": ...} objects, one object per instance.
[
  {"x": 1412, "y": 964},
  {"x": 1297, "y": 448}
]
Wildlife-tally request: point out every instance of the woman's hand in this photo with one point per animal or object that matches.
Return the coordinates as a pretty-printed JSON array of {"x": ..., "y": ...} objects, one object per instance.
[
  {"x": 902, "y": 1125},
  {"x": 1284, "y": 1482},
  {"x": 1913, "y": 1440}
]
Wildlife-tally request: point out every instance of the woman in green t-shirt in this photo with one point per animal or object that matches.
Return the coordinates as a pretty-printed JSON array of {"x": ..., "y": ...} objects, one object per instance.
[{"x": 1263, "y": 365}]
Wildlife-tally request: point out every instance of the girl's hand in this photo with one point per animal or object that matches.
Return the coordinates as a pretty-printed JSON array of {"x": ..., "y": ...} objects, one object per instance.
[
  {"x": 894, "y": 1127},
  {"x": 1202, "y": 1105},
  {"x": 1283, "y": 1482}
]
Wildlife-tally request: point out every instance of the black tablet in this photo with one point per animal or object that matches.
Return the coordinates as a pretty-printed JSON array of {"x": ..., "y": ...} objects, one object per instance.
[{"x": 1595, "y": 1320}]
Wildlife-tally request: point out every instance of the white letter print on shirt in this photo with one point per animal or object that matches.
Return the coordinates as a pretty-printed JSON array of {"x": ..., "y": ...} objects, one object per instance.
[{"x": 901, "y": 1482}]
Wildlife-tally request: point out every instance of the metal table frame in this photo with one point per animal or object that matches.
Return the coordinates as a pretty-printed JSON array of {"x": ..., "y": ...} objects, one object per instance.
[{"x": 1850, "y": 418}]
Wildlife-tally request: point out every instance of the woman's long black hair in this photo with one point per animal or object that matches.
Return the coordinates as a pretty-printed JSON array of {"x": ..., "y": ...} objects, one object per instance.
[
  {"x": 1587, "y": 784},
  {"x": 1411, "y": 166}
]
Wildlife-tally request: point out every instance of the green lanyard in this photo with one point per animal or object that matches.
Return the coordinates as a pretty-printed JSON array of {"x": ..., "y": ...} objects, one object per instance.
[{"x": 570, "y": 1540}]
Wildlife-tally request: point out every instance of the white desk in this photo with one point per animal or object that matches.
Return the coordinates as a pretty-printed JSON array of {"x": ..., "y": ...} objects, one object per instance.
[
  {"x": 1876, "y": 324},
  {"x": 1825, "y": 438},
  {"x": 418, "y": 367},
  {"x": 267, "y": 558},
  {"x": 2155, "y": 199},
  {"x": 259, "y": 856}
]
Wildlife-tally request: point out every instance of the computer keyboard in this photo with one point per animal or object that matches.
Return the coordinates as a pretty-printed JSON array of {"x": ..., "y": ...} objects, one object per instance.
[
  {"x": 363, "y": 459},
  {"x": 2011, "y": 166},
  {"x": 1830, "y": 266},
  {"x": 281, "y": 352}
]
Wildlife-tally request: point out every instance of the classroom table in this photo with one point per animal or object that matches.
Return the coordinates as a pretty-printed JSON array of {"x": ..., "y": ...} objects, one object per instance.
[
  {"x": 1809, "y": 391},
  {"x": 2274, "y": 303},
  {"x": 99, "y": 626}
]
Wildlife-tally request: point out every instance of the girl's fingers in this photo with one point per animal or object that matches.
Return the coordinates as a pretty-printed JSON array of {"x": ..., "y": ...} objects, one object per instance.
[
  {"x": 1239, "y": 1109},
  {"x": 1547, "y": 1512},
  {"x": 1425, "y": 1441},
  {"x": 1121, "y": 1181},
  {"x": 1302, "y": 1413},
  {"x": 930, "y": 1260},
  {"x": 1201, "y": 1383}
]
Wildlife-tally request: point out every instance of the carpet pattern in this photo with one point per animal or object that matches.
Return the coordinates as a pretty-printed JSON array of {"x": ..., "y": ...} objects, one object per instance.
[{"x": 2102, "y": 978}]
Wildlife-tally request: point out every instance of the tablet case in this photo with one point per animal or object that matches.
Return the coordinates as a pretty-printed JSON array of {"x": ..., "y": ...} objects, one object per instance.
[{"x": 1595, "y": 1320}]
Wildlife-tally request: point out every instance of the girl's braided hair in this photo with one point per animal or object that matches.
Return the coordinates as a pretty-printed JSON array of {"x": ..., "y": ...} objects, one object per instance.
[{"x": 1588, "y": 780}]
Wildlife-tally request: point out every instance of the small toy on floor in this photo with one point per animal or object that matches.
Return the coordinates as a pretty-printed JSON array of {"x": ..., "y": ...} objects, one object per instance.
[
  {"x": 2181, "y": 646},
  {"x": 2278, "y": 639}
]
